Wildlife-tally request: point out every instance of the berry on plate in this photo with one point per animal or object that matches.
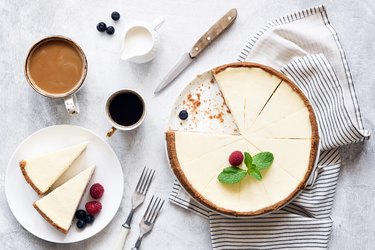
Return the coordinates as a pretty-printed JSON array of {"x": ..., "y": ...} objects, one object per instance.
[
  {"x": 80, "y": 214},
  {"x": 81, "y": 224},
  {"x": 96, "y": 191},
  {"x": 183, "y": 115},
  {"x": 93, "y": 207},
  {"x": 89, "y": 219}
]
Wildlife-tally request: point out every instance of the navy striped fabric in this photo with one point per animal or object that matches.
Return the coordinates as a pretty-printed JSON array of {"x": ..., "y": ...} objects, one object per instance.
[{"x": 305, "y": 223}]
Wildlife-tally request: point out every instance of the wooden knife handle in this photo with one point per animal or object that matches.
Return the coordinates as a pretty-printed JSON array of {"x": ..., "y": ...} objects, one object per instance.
[{"x": 213, "y": 32}]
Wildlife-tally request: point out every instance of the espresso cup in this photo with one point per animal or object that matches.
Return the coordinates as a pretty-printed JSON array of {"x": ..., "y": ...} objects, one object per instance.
[
  {"x": 125, "y": 110},
  {"x": 56, "y": 67}
]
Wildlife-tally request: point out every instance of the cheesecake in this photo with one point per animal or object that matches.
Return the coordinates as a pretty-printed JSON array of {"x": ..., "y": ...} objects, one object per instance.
[
  {"x": 59, "y": 206},
  {"x": 43, "y": 170},
  {"x": 272, "y": 115},
  {"x": 246, "y": 91}
]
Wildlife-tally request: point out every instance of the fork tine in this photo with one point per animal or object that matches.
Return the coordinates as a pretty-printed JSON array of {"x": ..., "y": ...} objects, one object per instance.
[
  {"x": 151, "y": 212},
  {"x": 140, "y": 179},
  {"x": 148, "y": 181},
  {"x": 148, "y": 207},
  {"x": 157, "y": 210},
  {"x": 143, "y": 180}
]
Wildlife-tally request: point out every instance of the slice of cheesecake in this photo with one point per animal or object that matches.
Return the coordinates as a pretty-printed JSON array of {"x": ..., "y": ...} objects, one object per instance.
[
  {"x": 43, "y": 170},
  {"x": 246, "y": 88},
  {"x": 286, "y": 100},
  {"x": 194, "y": 145},
  {"x": 59, "y": 206}
]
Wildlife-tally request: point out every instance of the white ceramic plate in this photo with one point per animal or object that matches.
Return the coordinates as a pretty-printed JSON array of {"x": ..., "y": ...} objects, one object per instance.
[
  {"x": 108, "y": 172},
  {"x": 210, "y": 115}
]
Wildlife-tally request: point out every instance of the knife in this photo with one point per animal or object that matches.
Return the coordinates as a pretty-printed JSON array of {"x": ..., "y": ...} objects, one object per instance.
[{"x": 215, "y": 31}]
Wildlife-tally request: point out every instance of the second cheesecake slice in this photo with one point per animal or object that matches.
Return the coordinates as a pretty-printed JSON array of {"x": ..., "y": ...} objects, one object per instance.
[{"x": 42, "y": 171}]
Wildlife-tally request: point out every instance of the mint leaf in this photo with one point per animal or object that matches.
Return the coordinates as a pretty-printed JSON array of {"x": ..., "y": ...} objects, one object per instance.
[
  {"x": 231, "y": 175},
  {"x": 248, "y": 159},
  {"x": 263, "y": 160},
  {"x": 255, "y": 173}
]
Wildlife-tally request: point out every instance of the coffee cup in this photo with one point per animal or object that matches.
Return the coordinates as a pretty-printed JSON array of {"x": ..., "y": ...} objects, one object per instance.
[
  {"x": 56, "y": 67},
  {"x": 125, "y": 110}
]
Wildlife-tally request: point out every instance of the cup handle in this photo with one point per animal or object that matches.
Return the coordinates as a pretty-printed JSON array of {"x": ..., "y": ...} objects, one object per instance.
[
  {"x": 71, "y": 104},
  {"x": 111, "y": 132},
  {"x": 158, "y": 22}
]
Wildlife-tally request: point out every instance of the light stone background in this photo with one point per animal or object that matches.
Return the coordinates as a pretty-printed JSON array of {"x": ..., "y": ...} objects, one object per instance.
[{"x": 23, "y": 111}]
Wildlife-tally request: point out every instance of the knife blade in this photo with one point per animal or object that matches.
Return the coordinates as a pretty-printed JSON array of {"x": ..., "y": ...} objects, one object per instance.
[{"x": 214, "y": 32}]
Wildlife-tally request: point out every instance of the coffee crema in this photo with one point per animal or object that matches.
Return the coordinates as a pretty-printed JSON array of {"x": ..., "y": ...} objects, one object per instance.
[{"x": 56, "y": 66}]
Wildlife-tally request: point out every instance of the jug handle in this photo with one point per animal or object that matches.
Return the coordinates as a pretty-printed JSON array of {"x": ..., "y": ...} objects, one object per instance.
[{"x": 158, "y": 22}]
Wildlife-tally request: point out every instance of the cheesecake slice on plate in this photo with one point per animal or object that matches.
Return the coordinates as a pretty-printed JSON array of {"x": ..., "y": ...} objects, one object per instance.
[
  {"x": 43, "y": 170},
  {"x": 59, "y": 206}
]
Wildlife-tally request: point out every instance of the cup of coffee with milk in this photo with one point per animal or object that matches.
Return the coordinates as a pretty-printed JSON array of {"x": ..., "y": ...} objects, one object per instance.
[
  {"x": 56, "y": 67},
  {"x": 141, "y": 41}
]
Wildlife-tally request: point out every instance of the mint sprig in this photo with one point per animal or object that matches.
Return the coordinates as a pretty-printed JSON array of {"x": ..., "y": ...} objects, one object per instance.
[{"x": 231, "y": 175}]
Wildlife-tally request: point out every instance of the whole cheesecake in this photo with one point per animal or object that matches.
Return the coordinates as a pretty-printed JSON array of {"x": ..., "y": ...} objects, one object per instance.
[{"x": 272, "y": 115}]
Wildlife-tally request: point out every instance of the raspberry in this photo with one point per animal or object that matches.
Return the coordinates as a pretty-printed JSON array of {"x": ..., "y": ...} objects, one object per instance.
[
  {"x": 93, "y": 207},
  {"x": 96, "y": 191},
  {"x": 236, "y": 158}
]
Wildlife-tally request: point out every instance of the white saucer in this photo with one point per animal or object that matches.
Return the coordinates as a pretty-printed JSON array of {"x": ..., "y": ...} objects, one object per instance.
[{"x": 108, "y": 172}]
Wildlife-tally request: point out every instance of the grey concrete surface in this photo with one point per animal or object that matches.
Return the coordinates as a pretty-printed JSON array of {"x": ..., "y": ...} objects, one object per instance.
[{"x": 22, "y": 111}]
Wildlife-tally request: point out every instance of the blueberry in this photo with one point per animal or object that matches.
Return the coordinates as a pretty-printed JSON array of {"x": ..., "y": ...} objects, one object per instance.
[
  {"x": 101, "y": 27},
  {"x": 110, "y": 30},
  {"x": 81, "y": 224},
  {"x": 89, "y": 219},
  {"x": 115, "y": 15},
  {"x": 80, "y": 214},
  {"x": 183, "y": 115}
]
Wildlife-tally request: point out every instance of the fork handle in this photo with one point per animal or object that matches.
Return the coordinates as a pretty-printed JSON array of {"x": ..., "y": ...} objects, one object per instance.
[
  {"x": 137, "y": 243},
  {"x": 121, "y": 239}
]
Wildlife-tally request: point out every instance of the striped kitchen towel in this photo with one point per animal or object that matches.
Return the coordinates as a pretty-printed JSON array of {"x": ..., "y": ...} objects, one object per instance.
[{"x": 305, "y": 47}]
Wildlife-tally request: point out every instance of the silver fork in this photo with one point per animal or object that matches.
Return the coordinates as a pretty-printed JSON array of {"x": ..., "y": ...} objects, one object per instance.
[
  {"x": 148, "y": 220},
  {"x": 138, "y": 197}
]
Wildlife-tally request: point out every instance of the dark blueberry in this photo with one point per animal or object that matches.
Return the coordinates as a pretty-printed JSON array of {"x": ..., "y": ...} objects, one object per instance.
[
  {"x": 110, "y": 30},
  {"x": 183, "y": 115},
  {"x": 81, "y": 224},
  {"x": 80, "y": 214},
  {"x": 101, "y": 27},
  {"x": 89, "y": 219},
  {"x": 115, "y": 15}
]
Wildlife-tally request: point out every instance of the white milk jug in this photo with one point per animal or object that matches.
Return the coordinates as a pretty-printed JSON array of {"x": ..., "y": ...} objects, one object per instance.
[{"x": 141, "y": 41}]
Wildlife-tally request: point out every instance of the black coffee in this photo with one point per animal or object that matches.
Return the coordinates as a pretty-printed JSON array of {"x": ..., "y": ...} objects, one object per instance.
[{"x": 126, "y": 109}]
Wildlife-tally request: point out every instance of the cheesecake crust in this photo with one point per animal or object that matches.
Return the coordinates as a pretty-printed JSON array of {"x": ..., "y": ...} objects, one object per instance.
[
  {"x": 179, "y": 173},
  {"x": 49, "y": 219},
  {"x": 23, "y": 164}
]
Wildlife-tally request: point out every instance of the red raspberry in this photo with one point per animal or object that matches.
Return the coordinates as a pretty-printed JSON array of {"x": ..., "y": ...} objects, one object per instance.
[
  {"x": 96, "y": 191},
  {"x": 93, "y": 207},
  {"x": 236, "y": 158}
]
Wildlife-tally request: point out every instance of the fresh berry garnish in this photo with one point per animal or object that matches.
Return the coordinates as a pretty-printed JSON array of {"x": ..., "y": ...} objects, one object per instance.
[
  {"x": 80, "y": 214},
  {"x": 183, "y": 115},
  {"x": 96, "y": 191},
  {"x": 89, "y": 219},
  {"x": 110, "y": 30},
  {"x": 115, "y": 15},
  {"x": 93, "y": 207},
  {"x": 81, "y": 224},
  {"x": 236, "y": 158},
  {"x": 101, "y": 27}
]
